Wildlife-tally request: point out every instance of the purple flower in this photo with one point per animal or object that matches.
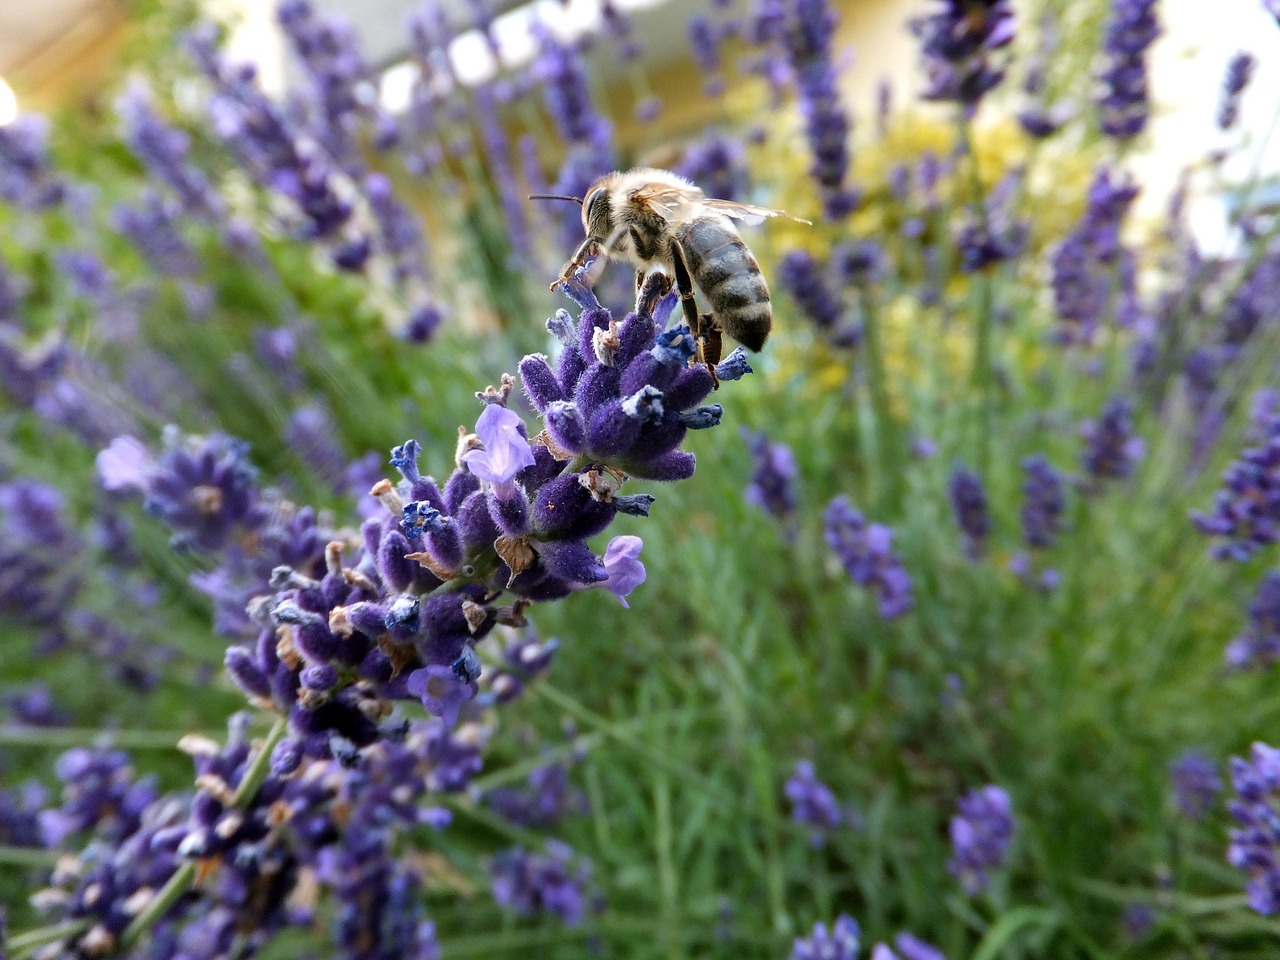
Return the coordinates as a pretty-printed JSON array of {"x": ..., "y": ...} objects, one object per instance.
[
  {"x": 909, "y": 948},
  {"x": 810, "y": 28},
  {"x": 804, "y": 278},
  {"x": 505, "y": 453},
  {"x": 867, "y": 555},
  {"x": 1125, "y": 102},
  {"x": 530, "y": 883},
  {"x": 124, "y": 465},
  {"x": 961, "y": 45},
  {"x": 442, "y": 690},
  {"x": 718, "y": 165},
  {"x": 1043, "y": 502},
  {"x": 812, "y": 803},
  {"x": 969, "y": 504},
  {"x": 1196, "y": 783},
  {"x": 1258, "y": 645},
  {"x": 1085, "y": 264},
  {"x": 1246, "y": 510},
  {"x": 1255, "y": 845},
  {"x": 841, "y": 942},
  {"x": 26, "y": 173},
  {"x": 163, "y": 150},
  {"x": 624, "y": 567},
  {"x": 204, "y": 489},
  {"x": 1110, "y": 447},
  {"x": 980, "y": 835},
  {"x": 1239, "y": 72},
  {"x": 772, "y": 486},
  {"x": 544, "y": 802},
  {"x": 310, "y": 434}
]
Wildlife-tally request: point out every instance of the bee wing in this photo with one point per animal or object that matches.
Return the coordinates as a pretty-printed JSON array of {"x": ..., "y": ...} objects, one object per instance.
[
  {"x": 748, "y": 213},
  {"x": 673, "y": 204}
]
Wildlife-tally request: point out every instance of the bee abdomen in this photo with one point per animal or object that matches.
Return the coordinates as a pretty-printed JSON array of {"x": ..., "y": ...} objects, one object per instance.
[{"x": 730, "y": 279}]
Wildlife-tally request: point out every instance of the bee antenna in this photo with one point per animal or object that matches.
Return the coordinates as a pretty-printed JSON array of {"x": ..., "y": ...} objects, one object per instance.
[{"x": 554, "y": 196}]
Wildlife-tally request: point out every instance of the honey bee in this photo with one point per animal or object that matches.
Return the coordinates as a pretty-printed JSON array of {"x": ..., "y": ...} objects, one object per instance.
[{"x": 657, "y": 220}]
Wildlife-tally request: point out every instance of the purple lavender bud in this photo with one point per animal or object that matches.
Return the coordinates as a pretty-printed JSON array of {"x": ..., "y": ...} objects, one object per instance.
[
  {"x": 529, "y": 883},
  {"x": 1239, "y": 72},
  {"x": 547, "y": 799},
  {"x": 969, "y": 504},
  {"x": 565, "y": 510},
  {"x": 867, "y": 553},
  {"x": 980, "y": 834},
  {"x": 803, "y": 277},
  {"x": 1246, "y": 510},
  {"x": 540, "y": 382},
  {"x": 467, "y": 665},
  {"x": 246, "y": 672},
  {"x": 1044, "y": 500},
  {"x": 405, "y": 459},
  {"x": 1110, "y": 448},
  {"x": 961, "y": 47},
  {"x": 812, "y": 803},
  {"x": 309, "y": 433},
  {"x": 573, "y": 562},
  {"x": 718, "y": 165},
  {"x": 827, "y": 124},
  {"x": 422, "y": 323},
  {"x": 565, "y": 426},
  {"x": 1258, "y": 645},
  {"x": 474, "y": 525},
  {"x": 734, "y": 366},
  {"x": 1125, "y": 102},
  {"x": 772, "y": 486},
  {"x": 668, "y": 468},
  {"x": 1196, "y": 783},
  {"x": 394, "y": 568},
  {"x": 841, "y": 942},
  {"x": 510, "y": 515},
  {"x": 1254, "y": 845},
  {"x": 26, "y": 174}
]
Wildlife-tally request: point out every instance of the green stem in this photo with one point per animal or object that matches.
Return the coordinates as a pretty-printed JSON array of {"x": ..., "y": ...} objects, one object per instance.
[
  {"x": 23, "y": 945},
  {"x": 185, "y": 875}
]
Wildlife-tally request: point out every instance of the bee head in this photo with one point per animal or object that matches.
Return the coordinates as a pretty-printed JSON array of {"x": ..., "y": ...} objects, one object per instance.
[{"x": 597, "y": 210}]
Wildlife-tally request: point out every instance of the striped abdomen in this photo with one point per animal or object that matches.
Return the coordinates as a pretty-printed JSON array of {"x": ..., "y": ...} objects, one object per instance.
[{"x": 730, "y": 279}]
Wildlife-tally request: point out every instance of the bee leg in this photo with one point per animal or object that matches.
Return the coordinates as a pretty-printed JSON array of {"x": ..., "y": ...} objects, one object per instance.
[
  {"x": 640, "y": 275},
  {"x": 685, "y": 285},
  {"x": 710, "y": 346},
  {"x": 580, "y": 256}
]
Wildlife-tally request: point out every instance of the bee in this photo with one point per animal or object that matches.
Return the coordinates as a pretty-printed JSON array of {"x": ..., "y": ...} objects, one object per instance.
[{"x": 657, "y": 220}]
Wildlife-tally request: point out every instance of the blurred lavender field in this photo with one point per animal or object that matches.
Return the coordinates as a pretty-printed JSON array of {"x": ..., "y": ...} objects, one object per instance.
[{"x": 363, "y": 597}]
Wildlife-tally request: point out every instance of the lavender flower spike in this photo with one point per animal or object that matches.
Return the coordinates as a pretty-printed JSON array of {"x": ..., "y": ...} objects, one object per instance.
[
  {"x": 980, "y": 835},
  {"x": 1259, "y": 644},
  {"x": 506, "y": 452},
  {"x": 1255, "y": 847},
  {"x": 772, "y": 486},
  {"x": 812, "y": 803},
  {"x": 1126, "y": 103},
  {"x": 1246, "y": 510},
  {"x": 867, "y": 555},
  {"x": 1196, "y": 783},
  {"x": 1239, "y": 72},
  {"x": 957, "y": 45},
  {"x": 969, "y": 501},
  {"x": 841, "y": 942}
]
